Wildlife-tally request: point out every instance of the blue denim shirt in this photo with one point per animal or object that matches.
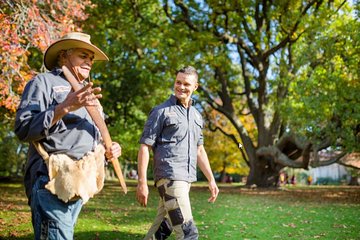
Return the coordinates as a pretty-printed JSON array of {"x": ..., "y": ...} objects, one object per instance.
[
  {"x": 75, "y": 134},
  {"x": 174, "y": 133}
]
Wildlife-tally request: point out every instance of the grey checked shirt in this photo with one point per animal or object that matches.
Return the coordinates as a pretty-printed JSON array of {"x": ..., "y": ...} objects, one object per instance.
[{"x": 174, "y": 133}]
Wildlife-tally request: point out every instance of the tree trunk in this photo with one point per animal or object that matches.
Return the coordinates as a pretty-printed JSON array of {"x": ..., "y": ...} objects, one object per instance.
[
  {"x": 354, "y": 181},
  {"x": 265, "y": 167},
  {"x": 263, "y": 174},
  {"x": 223, "y": 175}
]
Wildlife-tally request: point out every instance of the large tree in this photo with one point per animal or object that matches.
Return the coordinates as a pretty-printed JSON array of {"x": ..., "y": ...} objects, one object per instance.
[
  {"x": 290, "y": 65},
  {"x": 287, "y": 67},
  {"x": 281, "y": 72}
]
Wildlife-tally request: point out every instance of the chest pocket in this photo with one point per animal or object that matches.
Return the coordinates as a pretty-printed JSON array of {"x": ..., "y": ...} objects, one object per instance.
[
  {"x": 172, "y": 122},
  {"x": 60, "y": 93},
  {"x": 173, "y": 129},
  {"x": 60, "y": 96}
]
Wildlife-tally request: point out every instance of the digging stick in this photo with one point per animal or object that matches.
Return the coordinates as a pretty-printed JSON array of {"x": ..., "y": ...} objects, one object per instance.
[{"x": 100, "y": 123}]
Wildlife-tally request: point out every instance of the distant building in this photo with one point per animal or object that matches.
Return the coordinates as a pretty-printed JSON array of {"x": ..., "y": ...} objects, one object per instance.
[{"x": 331, "y": 173}]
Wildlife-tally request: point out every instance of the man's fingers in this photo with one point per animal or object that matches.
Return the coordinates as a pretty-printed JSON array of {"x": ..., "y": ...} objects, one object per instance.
[
  {"x": 214, "y": 194},
  {"x": 142, "y": 196},
  {"x": 212, "y": 198},
  {"x": 98, "y": 96},
  {"x": 96, "y": 90},
  {"x": 85, "y": 89},
  {"x": 91, "y": 99},
  {"x": 142, "y": 200},
  {"x": 114, "y": 151},
  {"x": 88, "y": 91}
]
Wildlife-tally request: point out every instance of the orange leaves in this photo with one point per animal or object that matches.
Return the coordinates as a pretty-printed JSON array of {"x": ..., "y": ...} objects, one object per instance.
[
  {"x": 31, "y": 24},
  {"x": 10, "y": 103},
  {"x": 11, "y": 53}
]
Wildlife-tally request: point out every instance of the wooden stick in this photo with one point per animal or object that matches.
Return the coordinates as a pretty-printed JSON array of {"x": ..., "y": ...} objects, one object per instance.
[{"x": 100, "y": 123}]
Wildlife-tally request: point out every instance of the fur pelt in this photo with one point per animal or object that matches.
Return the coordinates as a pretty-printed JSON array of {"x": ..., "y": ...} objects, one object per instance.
[{"x": 71, "y": 179}]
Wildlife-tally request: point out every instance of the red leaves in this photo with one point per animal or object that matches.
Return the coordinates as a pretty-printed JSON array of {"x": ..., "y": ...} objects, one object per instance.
[{"x": 31, "y": 24}]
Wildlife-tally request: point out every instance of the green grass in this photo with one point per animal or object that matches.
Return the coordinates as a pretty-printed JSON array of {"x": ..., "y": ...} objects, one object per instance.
[{"x": 239, "y": 213}]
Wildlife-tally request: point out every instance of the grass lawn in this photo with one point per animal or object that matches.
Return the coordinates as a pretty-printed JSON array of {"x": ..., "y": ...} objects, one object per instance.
[{"x": 239, "y": 213}]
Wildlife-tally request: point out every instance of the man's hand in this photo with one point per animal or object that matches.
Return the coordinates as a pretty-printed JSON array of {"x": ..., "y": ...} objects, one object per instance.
[
  {"x": 214, "y": 191},
  {"x": 113, "y": 152},
  {"x": 142, "y": 193},
  {"x": 86, "y": 96}
]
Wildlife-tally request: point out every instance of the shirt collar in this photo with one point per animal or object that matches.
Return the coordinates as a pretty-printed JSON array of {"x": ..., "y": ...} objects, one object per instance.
[
  {"x": 57, "y": 71},
  {"x": 175, "y": 101}
]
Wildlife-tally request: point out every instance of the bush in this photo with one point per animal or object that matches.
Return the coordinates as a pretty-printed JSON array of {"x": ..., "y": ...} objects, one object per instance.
[{"x": 327, "y": 181}]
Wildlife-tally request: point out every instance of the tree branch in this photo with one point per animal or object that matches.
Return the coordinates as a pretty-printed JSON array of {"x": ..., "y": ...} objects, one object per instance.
[
  {"x": 287, "y": 39},
  {"x": 233, "y": 138},
  {"x": 278, "y": 157},
  {"x": 328, "y": 162}
]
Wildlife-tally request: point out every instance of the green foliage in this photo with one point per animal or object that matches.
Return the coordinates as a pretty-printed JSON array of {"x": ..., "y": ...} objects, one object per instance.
[
  {"x": 353, "y": 171},
  {"x": 35, "y": 59},
  {"x": 327, "y": 181},
  {"x": 135, "y": 79},
  {"x": 323, "y": 99},
  {"x": 12, "y": 152}
]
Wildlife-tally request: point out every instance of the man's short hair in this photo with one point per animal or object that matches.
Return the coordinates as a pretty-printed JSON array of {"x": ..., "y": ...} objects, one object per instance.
[{"x": 189, "y": 70}]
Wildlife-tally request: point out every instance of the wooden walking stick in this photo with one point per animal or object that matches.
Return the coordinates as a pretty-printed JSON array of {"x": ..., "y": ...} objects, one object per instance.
[{"x": 100, "y": 123}]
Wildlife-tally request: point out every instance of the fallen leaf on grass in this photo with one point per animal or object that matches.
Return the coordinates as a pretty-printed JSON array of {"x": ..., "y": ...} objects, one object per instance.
[
  {"x": 289, "y": 225},
  {"x": 14, "y": 234},
  {"x": 335, "y": 225},
  {"x": 277, "y": 237},
  {"x": 319, "y": 236}
]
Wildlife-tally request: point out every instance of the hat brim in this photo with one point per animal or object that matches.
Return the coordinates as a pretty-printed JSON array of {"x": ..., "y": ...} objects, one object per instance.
[{"x": 51, "y": 54}]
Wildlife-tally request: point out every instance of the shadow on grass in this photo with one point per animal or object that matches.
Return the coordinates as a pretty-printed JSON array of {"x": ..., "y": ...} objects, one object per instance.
[
  {"x": 26, "y": 237},
  {"x": 107, "y": 235},
  {"x": 89, "y": 235}
]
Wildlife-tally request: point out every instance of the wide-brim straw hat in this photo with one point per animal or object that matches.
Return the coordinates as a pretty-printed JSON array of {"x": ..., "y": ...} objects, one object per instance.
[{"x": 68, "y": 41}]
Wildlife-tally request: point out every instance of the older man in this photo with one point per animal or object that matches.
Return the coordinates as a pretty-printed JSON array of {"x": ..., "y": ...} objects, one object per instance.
[{"x": 53, "y": 116}]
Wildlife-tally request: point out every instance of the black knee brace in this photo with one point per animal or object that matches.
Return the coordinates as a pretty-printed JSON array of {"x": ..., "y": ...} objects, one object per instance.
[
  {"x": 190, "y": 230},
  {"x": 164, "y": 230}
]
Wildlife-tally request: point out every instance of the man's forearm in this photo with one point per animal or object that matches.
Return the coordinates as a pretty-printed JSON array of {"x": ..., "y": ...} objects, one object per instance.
[
  {"x": 204, "y": 165},
  {"x": 143, "y": 161}
]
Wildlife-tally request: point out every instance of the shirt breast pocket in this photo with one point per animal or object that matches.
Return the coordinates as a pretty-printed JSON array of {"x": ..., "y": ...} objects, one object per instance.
[
  {"x": 59, "y": 97},
  {"x": 172, "y": 122},
  {"x": 173, "y": 129}
]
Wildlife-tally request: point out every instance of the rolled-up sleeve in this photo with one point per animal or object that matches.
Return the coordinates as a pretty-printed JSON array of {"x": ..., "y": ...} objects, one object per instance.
[
  {"x": 152, "y": 128},
  {"x": 36, "y": 113}
]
